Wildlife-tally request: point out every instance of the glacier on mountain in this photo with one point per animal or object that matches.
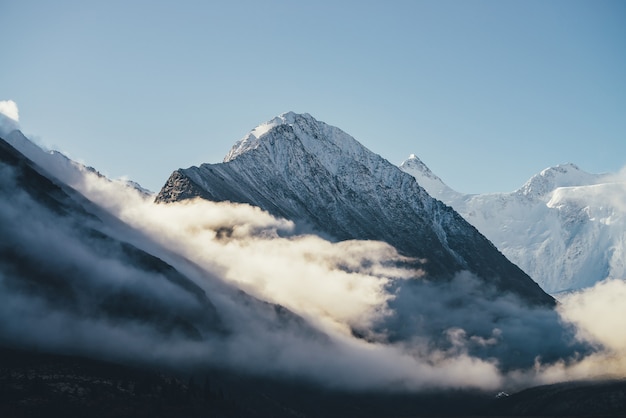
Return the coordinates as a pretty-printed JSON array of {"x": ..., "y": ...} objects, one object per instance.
[{"x": 564, "y": 226}]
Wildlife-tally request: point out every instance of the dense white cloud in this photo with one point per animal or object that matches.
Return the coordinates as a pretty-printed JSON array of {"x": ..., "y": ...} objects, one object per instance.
[
  {"x": 600, "y": 314},
  {"x": 9, "y": 109},
  {"x": 9, "y": 116},
  {"x": 599, "y": 317}
]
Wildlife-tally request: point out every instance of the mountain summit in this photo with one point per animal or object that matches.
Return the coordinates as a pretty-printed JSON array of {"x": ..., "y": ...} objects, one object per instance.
[
  {"x": 428, "y": 180},
  {"x": 324, "y": 180}
]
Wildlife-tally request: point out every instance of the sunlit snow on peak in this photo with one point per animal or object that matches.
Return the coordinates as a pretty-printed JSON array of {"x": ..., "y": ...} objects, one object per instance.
[
  {"x": 251, "y": 140},
  {"x": 563, "y": 175},
  {"x": 308, "y": 129}
]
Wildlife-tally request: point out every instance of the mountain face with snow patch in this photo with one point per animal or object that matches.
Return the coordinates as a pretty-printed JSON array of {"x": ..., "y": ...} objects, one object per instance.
[
  {"x": 304, "y": 170},
  {"x": 564, "y": 227}
]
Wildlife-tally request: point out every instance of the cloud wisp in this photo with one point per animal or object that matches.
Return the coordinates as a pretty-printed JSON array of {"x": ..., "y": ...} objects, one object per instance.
[{"x": 9, "y": 117}]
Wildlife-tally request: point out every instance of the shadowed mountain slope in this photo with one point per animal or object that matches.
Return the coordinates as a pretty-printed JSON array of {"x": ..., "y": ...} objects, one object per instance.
[{"x": 56, "y": 260}]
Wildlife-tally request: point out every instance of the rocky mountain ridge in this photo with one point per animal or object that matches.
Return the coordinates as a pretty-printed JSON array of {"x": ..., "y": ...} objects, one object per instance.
[{"x": 304, "y": 170}]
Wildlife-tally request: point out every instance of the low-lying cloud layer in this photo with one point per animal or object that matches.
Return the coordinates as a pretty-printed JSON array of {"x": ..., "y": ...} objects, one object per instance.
[
  {"x": 357, "y": 315},
  {"x": 457, "y": 333}
]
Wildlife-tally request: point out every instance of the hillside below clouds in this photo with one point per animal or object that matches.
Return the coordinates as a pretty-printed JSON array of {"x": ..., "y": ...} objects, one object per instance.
[{"x": 564, "y": 227}]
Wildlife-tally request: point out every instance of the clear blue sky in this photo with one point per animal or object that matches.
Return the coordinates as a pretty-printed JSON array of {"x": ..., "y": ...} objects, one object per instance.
[{"x": 486, "y": 93}]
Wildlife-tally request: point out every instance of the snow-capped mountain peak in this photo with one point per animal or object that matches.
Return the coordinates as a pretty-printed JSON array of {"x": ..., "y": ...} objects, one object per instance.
[
  {"x": 428, "y": 180},
  {"x": 414, "y": 163},
  {"x": 562, "y": 175},
  {"x": 318, "y": 176},
  {"x": 316, "y": 137},
  {"x": 253, "y": 138}
]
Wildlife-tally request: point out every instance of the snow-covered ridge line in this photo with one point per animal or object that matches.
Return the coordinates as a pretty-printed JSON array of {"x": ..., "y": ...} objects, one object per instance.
[
  {"x": 562, "y": 175},
  {"x": 59, "y": 165},
  {"x": 564, "y": 226}
]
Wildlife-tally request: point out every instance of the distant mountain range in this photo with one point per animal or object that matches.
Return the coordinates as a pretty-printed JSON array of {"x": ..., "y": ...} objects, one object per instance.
[{"x": 564, "y": 227}]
